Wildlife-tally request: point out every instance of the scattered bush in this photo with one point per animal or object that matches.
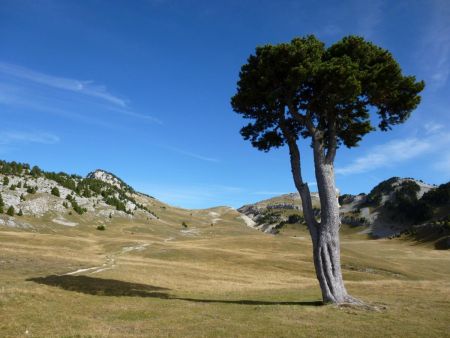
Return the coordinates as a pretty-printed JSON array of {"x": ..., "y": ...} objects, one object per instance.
[
  {"x": 292, "y": 219},
  {"x": 10, "y": 211},
  {"x": 101, "y": 227},
  {"x": 32, "y": 190},
  {"x": 55, "y": 192}
]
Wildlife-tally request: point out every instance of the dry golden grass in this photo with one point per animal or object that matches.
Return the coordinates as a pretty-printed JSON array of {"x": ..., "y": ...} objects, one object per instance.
[{"x": 220, "y": 280}]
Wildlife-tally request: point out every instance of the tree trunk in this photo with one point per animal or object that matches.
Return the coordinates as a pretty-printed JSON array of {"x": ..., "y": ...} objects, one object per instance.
[
  {"x": 324, "y": 235},
  {"x": 327, "y": 253},
  {"x": 327, "y": 247}
]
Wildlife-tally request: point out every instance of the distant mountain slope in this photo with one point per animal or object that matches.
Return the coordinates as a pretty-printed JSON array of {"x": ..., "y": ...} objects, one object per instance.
[
  {"x": 395, "y": 206},
  {"x": 29, "y": 195}
]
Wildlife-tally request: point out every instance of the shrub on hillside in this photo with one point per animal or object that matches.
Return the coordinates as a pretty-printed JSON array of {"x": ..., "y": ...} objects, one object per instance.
[
  {"x": 55, "y": 192},
  {"x": 438, "y": 196},
  {"x": 10, "y": 211}
]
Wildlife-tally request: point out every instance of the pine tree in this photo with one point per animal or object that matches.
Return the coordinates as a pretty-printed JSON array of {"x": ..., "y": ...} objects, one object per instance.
[
  {"x": 20, "y": 213},
  {"x": 55, "y": 191},
  {"x": 10, "y": 211},
  {"x": 5, "y": 181},
  {"x": 2, "y": 204}
]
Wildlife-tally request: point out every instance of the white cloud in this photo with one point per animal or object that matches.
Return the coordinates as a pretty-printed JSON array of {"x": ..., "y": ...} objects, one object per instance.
[
  {"x": 193, "y": 155},
  {"x": 433, "y": 127},
  {"x": 11, "y": 137},
  {"x": 81, "y": 87},
  {"x": 398, "y": 151},
  {"x": 25, "y": 93}
]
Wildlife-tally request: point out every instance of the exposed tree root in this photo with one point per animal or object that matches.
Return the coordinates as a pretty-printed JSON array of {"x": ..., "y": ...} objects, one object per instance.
[{"x": 357, "y": 304}]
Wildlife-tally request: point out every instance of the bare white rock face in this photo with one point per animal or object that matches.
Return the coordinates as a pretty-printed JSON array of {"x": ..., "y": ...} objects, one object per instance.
[
  {"x": 105, "y": 177},
  {"x": 42, "y": 201}
]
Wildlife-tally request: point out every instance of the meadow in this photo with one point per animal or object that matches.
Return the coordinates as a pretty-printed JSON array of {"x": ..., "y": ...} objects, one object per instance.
[{"x": 215, "y": 277}]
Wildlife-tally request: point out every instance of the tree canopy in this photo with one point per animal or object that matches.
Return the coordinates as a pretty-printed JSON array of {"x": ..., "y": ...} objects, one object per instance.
[{"x": 303, "y": 86}]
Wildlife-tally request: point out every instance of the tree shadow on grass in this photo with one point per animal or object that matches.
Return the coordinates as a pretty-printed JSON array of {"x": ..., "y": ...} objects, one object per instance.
[
  {"x": 250, "y": 302},
  {"x": 102, "y": 287},
  {"x": 112, "y": 287}
]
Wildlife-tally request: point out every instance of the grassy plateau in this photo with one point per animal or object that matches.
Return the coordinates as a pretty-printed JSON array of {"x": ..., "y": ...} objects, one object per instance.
[{"x": 212, "y": 277}]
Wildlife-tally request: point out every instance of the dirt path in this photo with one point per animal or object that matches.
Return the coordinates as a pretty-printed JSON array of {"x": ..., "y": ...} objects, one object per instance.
[{"x": 110, "y": 262}]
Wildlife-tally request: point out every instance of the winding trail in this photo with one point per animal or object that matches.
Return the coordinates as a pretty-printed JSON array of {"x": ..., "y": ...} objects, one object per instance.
[{"x": 110, "y": 260}]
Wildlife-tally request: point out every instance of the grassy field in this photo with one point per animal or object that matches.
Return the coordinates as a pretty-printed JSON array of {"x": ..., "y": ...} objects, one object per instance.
[{"x": 214, "y": 278}]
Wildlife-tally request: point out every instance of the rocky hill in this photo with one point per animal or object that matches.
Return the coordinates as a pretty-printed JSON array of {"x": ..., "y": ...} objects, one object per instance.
[
  {"x": 29, "y": 195},
  {"x": 35, "y": 200},
  {"x": 393, "y": 207},
  {"x": 26, "y": 191}
]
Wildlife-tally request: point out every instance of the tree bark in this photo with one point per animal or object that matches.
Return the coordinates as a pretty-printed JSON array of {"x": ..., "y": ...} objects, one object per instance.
[
  {"x": 324, "y": 235},
  {"x": 327, "y": 255}
]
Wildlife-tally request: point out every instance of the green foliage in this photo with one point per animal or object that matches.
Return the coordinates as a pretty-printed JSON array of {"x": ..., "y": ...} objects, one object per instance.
[
  {"x": 10, "y": 211},
  {"x": 79, "y": 210},
  {"x": 405, "y": 206},
  {"x": 101, "y": 227},
  {"x": 22, "y": 197},
  {"x": 87, "y": 187},
  {"x": 63, "y": 179},
  {"x": 113, "y": 201},
  {"x": 13, "y": 168},
  {"x": 20, "y": 213},
  {"x": 289, "y": 86},
  {"x": 439, "y": 196},
  {"x": 268, "y": 218},
  {"x": 32, "y": 190},
  {"x": 12, "y": 187},
  {"x": 2, "y": 204},
  {"x": 36, "y": 171},
  {"x": 383, "y": 188},
  {"x": 76, "y": 207},
  {"x": 184, "y": 224},
  {"x": 55, "y": 192},
  {"x": 294, "y": 218}
]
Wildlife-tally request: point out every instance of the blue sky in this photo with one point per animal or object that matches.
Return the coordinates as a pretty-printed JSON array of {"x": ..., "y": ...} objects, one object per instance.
[{"x": 142, "y": 89}]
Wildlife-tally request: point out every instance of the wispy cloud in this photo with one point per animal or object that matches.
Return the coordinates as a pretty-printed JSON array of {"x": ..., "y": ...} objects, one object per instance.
[
  {"x": 435, "y": 49},
  {"x": 193, "y": 155},
  {"x": 432, "y": 127},
  {"x": 11, "y": 137},
  {"x": 398, "y": 151},
  {"x": 27, "y": 91},
  {"x": 88, "y": 88}
]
